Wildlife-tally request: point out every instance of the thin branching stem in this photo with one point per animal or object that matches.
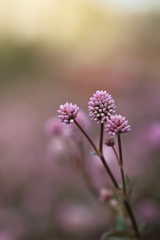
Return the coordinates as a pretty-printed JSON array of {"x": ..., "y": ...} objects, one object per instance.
[
  {"x": 114, "y": 150},
  {"x": 122, "y": 196},
  {"x": 86, "y": 135}
]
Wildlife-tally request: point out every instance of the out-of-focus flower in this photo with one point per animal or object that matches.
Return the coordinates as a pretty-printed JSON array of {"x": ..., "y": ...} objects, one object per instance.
[
  {"x": 109, "y": 141},
  {"x": 148, "y": 211},
  {"x": 101, "y": 106},
  {"x": 114, "y": 204},
  {"x": 4, "y": 235},
  {"x": 60, "y": 141},
  {"x": 84, "y": 121},
  {"x": 116, "y": 125},
  {"x": 53, "y": 127},
  {"x": 76, "y": 218},
  {"x": 105, "y": 194},
  {"x": 153, "y": 134},
  {"x": 68, "y": 112}
]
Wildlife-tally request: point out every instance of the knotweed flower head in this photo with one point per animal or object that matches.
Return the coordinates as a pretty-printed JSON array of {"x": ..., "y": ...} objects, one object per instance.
[
  {"x": 117, "y": 125},
  {"x": 68, "y": 112},
  {"x": 101, "y": 106}
]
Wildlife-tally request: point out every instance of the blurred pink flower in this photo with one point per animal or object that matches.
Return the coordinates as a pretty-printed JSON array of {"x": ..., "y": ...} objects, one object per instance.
[
  {"x": 53, "y": 127},
  {"x": 153, "y": 135},
  {"x": 148, "y": 211},
  {"x": 60, "y": 143},
  {"x": 84, "y": 121},
  {"x": 77, "y": 218},
  {"x": 4, "y": 235}
]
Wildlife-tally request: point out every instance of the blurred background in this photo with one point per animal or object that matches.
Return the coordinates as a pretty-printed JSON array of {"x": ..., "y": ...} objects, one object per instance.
[{"x": 53, "y": 51}]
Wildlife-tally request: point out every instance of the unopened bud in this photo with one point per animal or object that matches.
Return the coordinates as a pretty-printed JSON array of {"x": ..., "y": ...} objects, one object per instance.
[{"x": 109, "y": 141}]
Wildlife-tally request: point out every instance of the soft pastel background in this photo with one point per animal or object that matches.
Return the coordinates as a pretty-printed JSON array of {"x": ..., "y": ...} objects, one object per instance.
[{"x": 53, "y": 51}]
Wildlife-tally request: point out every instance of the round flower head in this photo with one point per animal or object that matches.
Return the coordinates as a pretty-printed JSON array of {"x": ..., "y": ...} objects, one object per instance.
[
  {"x": 68, "y": 112},
  {"x": 101, "y": 106},
  {"x": 116, "y": 125}
]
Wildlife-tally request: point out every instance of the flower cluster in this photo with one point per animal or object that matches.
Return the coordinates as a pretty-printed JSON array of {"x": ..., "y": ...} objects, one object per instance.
[
  {"x": 101, "y": 106},
  {"x": 116, "y": 125},
  {"x": 102, "y": 109},
  {"x": 68, "y": 112}
]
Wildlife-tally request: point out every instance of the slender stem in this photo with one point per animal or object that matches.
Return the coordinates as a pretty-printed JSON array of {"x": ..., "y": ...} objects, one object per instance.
[
  {"x": 109, "y": 172},
  {"x": 101, "y": 137},
  {"x": 120, "y": 148},
  {"x": 99, "y": 153},
  {"x": 86, "y": 135},
  {"x": 134, "y": 223},
  {"x": 123, "y": 197},
  {"x": 123, "y": 179},
  {"x": 114, "y": 150},
  {"x": 121, "y": 163},
  {"x": 121, "y": 169},
  {"x": 126, "y": 203}
]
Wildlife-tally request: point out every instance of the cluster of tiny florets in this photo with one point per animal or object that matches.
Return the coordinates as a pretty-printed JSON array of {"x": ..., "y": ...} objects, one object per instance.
[
  {"x": 117, "y": 125},
  {"x": 68, "y": 112},
  {"x": 101, "y": 106}
]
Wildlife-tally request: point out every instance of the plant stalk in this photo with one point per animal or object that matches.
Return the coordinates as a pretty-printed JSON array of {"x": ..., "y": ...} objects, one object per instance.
[
  {"x": 121, "y": 163},
  {"x": 122, "y": 196}
]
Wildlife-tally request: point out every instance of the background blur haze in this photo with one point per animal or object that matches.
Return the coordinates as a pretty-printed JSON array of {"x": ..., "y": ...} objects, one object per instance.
[{"x": 53, "y": 51}]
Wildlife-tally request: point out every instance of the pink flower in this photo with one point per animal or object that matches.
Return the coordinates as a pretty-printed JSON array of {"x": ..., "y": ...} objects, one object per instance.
[
  {"x": 116, "y": 125},
  {"x": 148, "y": 211},
  {"x": 153, "y": 135},
  {"x": 54, "y": 128},
  {"x": 68, "y": 112},
  {"x": 101, "y": 106}
]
